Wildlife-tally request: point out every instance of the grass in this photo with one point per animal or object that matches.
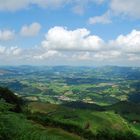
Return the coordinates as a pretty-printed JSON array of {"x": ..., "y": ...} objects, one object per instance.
[
  {"x": 16, "y": 127},
  {"x": 135, "y": 128},
  {"x": 96, "y": 119}
]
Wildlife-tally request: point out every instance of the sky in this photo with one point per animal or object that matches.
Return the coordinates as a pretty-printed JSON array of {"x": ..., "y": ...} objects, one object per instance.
[{"x": 70, "y": 32}]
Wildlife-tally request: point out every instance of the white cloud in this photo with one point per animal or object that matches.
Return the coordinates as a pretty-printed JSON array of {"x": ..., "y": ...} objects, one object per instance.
[
  {"x": 133, "y": 57},
  {"x": 126, "y": 7},
  {"x": 128, "y": 43},
  {"x": 81, "y": 45},
  {"x": 63, "y": 45},
  {"x": 85, "y": 56},
  {"x": 60, "y": 38},
  {"x": 97, "y": 56},
  {"x": 107, "y": 55},
  {"x": 16, "y": 51},
  {"x": 6, "y": 35},
  {"x": 104, "y": 19},
  {"x": 11, "y": 55},
  {"x": 30, "y": 30},
  {"x": 10, "y": 51},
  {"x": 47, "y": 54},
  {"x": 123, "y": 8},
  {"x": 2, "y": 49}
]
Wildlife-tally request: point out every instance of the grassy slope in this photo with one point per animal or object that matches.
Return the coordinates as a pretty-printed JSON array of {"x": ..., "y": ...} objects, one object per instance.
[
  {"x": 96, "y": 119},
  {"x": 16, "y": 127},
  {"x": 131, "y": 112}
]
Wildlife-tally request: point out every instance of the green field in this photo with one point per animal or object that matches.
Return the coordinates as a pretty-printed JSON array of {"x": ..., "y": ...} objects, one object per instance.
[{"x": 100, "y": 85}]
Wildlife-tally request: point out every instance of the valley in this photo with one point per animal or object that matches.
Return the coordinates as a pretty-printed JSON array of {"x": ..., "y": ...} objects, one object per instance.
[
  {"x": 74, "y": 103},
  {"x": 101, "y": 85}
]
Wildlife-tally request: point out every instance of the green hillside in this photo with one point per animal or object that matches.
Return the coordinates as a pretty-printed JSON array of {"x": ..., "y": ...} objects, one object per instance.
[
  {"x": 16, "y": 126},
  {"x": 93, "y": 121}
]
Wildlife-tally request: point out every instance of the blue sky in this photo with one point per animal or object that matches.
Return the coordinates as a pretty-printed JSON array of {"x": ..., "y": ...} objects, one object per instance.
[{"x": 74, "y": 32}]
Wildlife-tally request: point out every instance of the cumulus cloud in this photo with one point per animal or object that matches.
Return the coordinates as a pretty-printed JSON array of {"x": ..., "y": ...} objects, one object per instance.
[
  {"x": 6, "y": 35},
  {"x": 30, "y": 30},
  {"x": 128, "y": 43},
  {"x": 103, "y": 19},
  {"x": 84, "y": 46},
  {"x": 60, "y": 38},
  {"x": 79, "y": 45}
]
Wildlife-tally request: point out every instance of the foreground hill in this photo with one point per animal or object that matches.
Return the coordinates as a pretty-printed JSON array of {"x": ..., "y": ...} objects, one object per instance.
[
  {"x": 9, "y": 97},
  {"x": 16, "y": 126},
  {"x": 102, "y": 124},
  {"x": 70, "y": 121}
]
